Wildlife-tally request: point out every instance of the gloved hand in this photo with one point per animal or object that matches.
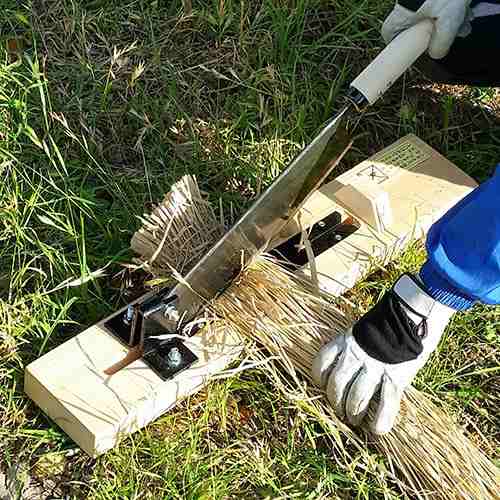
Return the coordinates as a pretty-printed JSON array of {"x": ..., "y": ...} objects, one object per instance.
[
  {"x": 381, "y": 354},
  {"x": 452, "y": 19}
]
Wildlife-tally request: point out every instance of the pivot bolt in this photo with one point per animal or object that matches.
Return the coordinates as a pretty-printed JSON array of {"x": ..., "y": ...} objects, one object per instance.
[
  {"x": 129, "y": 315},
  {"x": 174, "y": 357}
]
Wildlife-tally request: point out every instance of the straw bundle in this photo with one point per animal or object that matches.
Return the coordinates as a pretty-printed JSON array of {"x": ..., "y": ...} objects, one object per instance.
[
  {"x": 178, "y": 231},
  {"x": 283, "y": 314}
]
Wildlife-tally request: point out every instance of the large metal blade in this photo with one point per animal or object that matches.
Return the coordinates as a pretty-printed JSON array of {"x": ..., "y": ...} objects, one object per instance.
[{"x": 268, "y": 215}]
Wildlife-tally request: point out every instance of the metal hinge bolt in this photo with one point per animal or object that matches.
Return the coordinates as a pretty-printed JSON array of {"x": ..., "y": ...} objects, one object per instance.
[
  {"x": 129, "y": 315},
  {"x": 174, "y": 357}
]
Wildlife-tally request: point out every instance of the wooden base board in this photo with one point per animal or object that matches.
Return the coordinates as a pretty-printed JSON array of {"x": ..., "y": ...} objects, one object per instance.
[{"x": 394, "y": 196}]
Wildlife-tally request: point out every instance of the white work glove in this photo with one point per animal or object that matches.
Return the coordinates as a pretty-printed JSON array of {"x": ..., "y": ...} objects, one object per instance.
[
  {"x": 404, "y": 322},
  {"x": 452, "y": 19}
]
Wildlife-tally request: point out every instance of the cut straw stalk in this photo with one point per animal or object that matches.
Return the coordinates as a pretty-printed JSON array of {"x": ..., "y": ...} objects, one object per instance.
[{"x": 428, "y": 455}]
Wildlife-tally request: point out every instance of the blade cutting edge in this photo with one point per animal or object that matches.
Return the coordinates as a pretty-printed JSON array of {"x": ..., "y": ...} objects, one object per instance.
[{"x": 256, "y": 228}]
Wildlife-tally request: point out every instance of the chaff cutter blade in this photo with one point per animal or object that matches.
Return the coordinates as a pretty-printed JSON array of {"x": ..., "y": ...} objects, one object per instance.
[{"x": 264, "y": 220}]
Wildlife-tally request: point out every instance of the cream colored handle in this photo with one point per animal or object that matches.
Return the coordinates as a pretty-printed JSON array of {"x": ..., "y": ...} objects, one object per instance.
[{"x": 394, "y": 60}]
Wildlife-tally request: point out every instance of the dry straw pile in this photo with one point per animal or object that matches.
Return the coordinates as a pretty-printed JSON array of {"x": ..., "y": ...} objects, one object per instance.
[{"x": 285, "y": 320}]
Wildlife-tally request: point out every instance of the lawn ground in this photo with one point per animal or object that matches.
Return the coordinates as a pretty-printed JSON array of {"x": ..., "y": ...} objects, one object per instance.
[{"x": 103, "y": 105}]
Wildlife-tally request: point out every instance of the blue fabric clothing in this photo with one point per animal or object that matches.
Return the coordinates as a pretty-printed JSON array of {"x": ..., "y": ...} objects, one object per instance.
[{"x": 463, "y": 247}]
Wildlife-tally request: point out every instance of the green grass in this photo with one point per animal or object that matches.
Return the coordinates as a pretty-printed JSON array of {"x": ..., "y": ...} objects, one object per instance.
[{"x": 102, "y": 107}]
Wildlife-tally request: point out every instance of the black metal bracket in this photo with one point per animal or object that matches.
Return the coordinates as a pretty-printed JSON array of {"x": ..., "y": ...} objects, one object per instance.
[
  {"x": 323, "y": 235},
  {"x": 136, "y": 326}
]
